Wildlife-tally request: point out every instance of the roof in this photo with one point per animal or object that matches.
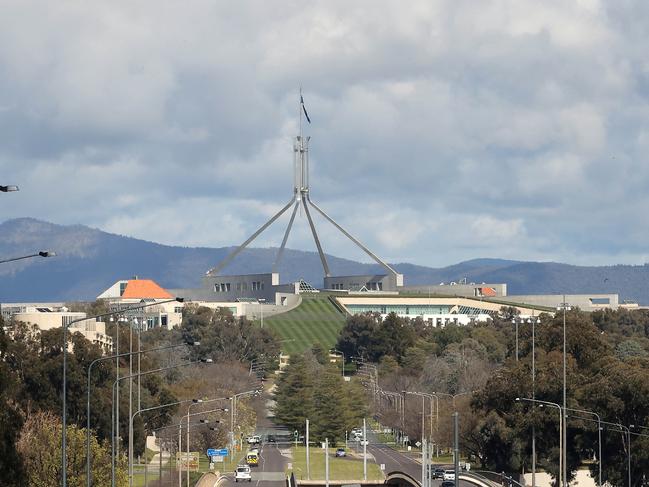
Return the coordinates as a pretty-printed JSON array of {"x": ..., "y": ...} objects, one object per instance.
[{"x": 144, "y": 288}]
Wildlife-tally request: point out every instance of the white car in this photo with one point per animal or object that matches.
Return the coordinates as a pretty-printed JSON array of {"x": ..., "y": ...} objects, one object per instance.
[
  {"x": 243, "y": 473},
  {"x": 449, "y": 475}
]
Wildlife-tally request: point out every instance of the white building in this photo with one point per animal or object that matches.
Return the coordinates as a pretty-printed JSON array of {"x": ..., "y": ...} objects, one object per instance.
[
  {"x": 133, "y": 292},
  {"x": 49, "y": 317}
]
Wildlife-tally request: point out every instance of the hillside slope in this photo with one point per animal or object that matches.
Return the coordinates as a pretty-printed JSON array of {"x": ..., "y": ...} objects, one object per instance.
[{"x": 89, "y": 260}]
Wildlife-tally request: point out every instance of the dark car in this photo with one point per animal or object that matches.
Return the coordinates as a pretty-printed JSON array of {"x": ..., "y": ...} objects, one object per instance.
[
  {"x": 448, "y": 483},
  {"x": 438, "y": 473},
  {"x": 271, "y": 439}
]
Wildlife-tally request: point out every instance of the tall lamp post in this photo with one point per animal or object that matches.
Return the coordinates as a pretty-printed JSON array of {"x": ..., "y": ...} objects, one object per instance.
[
  {"x": 132, "y": 419},
  {"x": 565, "y": 307},
  {"x": 64, "y": 466},
  {"x": 189, "y": 408},
  {"x": 561, "y": 418},
  {"x": 42, "y": 253},
  {"x": 88, "y": 387},
  {"x": 153, "y": 371},
  {"x": 599, "y": 439},
  {"x": 423, "y": 413}
]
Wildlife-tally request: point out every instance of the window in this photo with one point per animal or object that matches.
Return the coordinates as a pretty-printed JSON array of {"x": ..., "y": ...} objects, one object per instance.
[{"x": 244, "y": 286}]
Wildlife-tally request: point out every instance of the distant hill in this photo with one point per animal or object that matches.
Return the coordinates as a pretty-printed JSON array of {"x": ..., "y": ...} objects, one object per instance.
[{"x": 89, "y": 260}]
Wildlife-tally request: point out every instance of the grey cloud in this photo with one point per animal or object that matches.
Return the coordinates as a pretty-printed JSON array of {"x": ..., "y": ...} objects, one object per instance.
[{"x": 441, "y": 130}]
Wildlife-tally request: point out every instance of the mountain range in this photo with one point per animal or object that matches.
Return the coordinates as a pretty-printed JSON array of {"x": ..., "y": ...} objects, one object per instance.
[{"x": 89, "y": 260}]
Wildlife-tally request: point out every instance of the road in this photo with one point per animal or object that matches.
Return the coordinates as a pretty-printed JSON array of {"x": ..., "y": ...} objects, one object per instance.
[
  {"x": 271, "y": 468},
  {"x": 396, "y": 461},
  {"x": 269, "y": 472}
]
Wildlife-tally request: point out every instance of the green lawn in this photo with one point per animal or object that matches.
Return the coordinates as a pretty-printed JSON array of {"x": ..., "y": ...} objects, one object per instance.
[
  {"x": 339, "y": 468},
  {"x": 315, "y": 320}
]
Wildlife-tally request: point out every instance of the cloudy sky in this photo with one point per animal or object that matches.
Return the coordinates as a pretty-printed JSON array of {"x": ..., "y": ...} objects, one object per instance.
[{"x": 442, "y": 130}]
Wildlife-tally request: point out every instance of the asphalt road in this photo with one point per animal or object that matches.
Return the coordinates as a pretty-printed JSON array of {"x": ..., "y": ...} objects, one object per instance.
[{"x": 396, "y": 460}]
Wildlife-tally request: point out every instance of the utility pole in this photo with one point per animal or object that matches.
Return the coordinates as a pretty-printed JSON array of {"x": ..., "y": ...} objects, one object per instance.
[
  {"x": 423, "y": 463},
  {"x": 364, "y": 449},
  {"x": 308, "y": 463},
  {"x": 456, "y": 447},
  {"x": 326, "y": 462}
]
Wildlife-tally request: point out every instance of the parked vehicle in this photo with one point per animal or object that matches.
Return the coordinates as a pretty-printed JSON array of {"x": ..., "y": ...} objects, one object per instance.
[
  {"x": 253, "y": 439},
  {"x": 448, "y": 483},
  {"x": 449, "y": 475},
  {"x": 242, "y": 473},
  {"x": 340, "y": 452}
]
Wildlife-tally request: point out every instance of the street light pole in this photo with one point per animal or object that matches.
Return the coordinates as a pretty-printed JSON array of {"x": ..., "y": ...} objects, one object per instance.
[
  {"x": 88, "y": 386},
  {"x": 515, "y": 321},
  {"x": 564, "y": 305},
  {"x": 561, "y": 418},
  {"x": 64, "y": 467},
  {"x": 132, "y": 419},
  {"x": 189, "y": 408},
  {"x": 42, "y": 253},
  {"x": 599, "y": 439},
  {"x": 161, "y": 369}
]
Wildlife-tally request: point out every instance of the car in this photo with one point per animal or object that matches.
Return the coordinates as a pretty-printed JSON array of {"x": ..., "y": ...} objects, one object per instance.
[
  {"x": 254, "y": 449},
  {"x": 363, "y": 442},
  {"x": 340, "y": 452},
  {"x": 449, "y": 475},
  {"x": 253, "y": 439},
  {"x": 448, "y": 483},
  {"x": 243, "y": 473},
  {"x": 271, "y": 439},
  {"x": 438, "y": 473}
]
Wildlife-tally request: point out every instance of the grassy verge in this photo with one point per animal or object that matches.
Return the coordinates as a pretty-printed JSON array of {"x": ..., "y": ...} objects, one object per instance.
[
  {"x": 339, "y": 468},
  {"x": 204, "y": 466}
]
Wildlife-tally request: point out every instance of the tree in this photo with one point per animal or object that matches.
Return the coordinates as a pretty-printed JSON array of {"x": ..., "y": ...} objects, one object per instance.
[
  {"x": 329, "y": 404},
  {"x": 294, "y": 395},
  {"x": 357, "y": 337},
  {"x": 11, "y": 464},
  {"x": 224, "y": 337},
  {"x": 40, "y": 447}
]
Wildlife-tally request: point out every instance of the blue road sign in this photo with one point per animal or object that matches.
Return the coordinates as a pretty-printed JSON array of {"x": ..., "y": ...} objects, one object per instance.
[{"x": 216, "y": 452}]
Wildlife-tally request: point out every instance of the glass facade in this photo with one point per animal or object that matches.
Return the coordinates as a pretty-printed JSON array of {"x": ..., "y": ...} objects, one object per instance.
[{"x": 399, "y": 309}]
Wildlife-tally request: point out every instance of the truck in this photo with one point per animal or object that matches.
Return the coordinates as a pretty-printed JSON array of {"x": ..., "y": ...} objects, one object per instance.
[{"x": 252, "y": 458}]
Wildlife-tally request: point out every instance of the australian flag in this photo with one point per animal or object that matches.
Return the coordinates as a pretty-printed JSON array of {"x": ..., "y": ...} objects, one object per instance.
[{"x": 304, "y": 109}]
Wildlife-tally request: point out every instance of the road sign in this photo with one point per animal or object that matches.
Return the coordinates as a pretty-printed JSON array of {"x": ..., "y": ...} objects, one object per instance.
[
  {"x": 214, "y": 452},
  {"x": 418, "y": 444},
  {"x": 186, "y": 462},
  {"x": 217, "y": 458},
  {"x": 383, "y": 467}
]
